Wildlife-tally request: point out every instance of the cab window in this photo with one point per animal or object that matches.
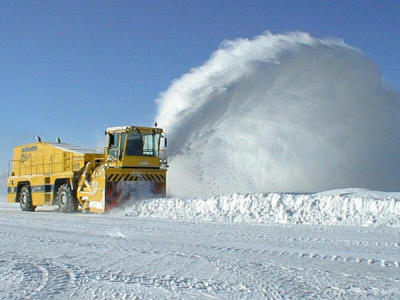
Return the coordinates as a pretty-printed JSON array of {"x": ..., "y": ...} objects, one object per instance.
[
  {"x": 134, "y": 144},
  {"x": 113, "y": 144}
]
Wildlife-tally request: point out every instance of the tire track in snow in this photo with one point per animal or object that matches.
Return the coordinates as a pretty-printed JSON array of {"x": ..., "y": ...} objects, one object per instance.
[
  {"x": 383, "y": 262},
  {"x": 277, "y": 281},
  {"x": 38, "y": 278},
  {"x": 47, "y": 279},
  {"x": 357, "y": 242}
]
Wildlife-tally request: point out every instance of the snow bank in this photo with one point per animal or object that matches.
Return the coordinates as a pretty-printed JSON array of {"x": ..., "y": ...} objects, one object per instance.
[
  {"x": 340, "y": 207},
  {"x": 281, "y": 113}
]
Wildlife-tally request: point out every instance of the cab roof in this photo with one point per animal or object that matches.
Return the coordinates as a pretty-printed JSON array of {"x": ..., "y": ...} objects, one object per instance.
[
  {"x": 128, "y": 128},
  {"x": 71, "y": 148}
]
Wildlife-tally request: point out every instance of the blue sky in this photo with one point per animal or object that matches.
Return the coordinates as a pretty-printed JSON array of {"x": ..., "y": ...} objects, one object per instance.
[{"x": 70, "y": 69}]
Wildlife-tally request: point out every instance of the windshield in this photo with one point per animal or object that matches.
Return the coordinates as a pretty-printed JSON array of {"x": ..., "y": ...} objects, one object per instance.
[{"x": 142, "y": 144}]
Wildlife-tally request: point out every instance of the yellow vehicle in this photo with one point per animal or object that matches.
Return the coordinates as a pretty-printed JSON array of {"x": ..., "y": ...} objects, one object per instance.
[{"x": 133, "y": 165}]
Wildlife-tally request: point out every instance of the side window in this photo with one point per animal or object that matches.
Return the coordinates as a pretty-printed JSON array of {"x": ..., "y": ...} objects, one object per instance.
[
  {"x": 123, "y": 138},
  {"x": 148, "y": 145},
  {"x": 114, "y": 144}
]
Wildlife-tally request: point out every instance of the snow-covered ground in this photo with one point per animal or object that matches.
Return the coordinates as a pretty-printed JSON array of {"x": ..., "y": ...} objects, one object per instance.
[{"x": 168, "y": 248}]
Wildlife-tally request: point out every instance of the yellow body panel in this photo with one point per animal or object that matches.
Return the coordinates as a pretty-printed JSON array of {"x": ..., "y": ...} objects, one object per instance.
[
  {"x": 41, "y": 164},
  {"x": 45, "y": 158},
  {"x": 143, "y": 161},
  {"x": 42, "y": 186}
]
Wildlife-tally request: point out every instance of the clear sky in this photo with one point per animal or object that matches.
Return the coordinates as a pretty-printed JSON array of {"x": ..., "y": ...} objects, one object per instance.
[{"x": 71, "y": 68}]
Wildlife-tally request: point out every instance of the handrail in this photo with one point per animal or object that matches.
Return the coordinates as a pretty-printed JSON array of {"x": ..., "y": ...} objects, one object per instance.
[
  {"x": 38, "y": 166},
  {"x": 101, "y": 150}
]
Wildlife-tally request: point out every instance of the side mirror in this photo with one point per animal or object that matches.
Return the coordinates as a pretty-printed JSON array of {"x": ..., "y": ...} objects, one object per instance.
[{"x": 165, "y": 143}]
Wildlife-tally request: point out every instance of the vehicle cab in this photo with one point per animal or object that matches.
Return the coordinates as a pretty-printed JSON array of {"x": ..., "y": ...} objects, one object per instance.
[{"x": 136, "y": 147}]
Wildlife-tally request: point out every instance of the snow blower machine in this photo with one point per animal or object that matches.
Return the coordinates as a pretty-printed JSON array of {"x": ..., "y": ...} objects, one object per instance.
[{"x": 132, "y": 166}]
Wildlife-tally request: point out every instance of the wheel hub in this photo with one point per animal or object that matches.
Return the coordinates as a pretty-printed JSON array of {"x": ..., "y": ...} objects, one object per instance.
[
  {"x": 23, "y": 198},
  {"x": 63, "y": 198}
]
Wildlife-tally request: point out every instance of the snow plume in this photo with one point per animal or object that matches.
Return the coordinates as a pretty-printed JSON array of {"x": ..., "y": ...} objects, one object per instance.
[{"x": 281, "y": 113}]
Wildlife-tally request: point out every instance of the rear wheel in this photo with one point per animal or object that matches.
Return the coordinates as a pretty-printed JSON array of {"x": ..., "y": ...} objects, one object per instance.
[
  {"x": 65, "y": 199},
  {"x": 25, "y": 199}
]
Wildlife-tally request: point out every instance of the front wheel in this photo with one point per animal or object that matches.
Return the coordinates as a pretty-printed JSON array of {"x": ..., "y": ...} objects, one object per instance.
[
  {"x": 65, "y": 199},
  {"x": 25, "y": 199}
]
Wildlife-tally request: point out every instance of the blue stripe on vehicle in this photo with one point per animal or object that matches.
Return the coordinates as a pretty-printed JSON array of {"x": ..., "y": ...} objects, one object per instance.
[{"x": 46, "y": 188}]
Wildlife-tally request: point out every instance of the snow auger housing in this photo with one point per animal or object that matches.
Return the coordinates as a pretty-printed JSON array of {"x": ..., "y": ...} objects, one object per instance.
[{"x": 133, "y": 165}]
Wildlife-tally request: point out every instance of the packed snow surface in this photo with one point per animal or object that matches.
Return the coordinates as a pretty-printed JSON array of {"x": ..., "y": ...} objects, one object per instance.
[
  {"x": 50, "y": 255},
  {"x": 283, "y": 113}
]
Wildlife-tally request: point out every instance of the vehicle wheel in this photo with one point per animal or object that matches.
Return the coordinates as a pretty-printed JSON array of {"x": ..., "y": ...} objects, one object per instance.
[
  {"x": 65, "y": 199},
  {"x": 25, "y": 199}
]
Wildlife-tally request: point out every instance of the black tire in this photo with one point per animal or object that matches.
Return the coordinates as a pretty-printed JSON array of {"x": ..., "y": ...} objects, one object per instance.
[
  {"x": 65, "y": 199},
  {"x": 25, "y": 199}
]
